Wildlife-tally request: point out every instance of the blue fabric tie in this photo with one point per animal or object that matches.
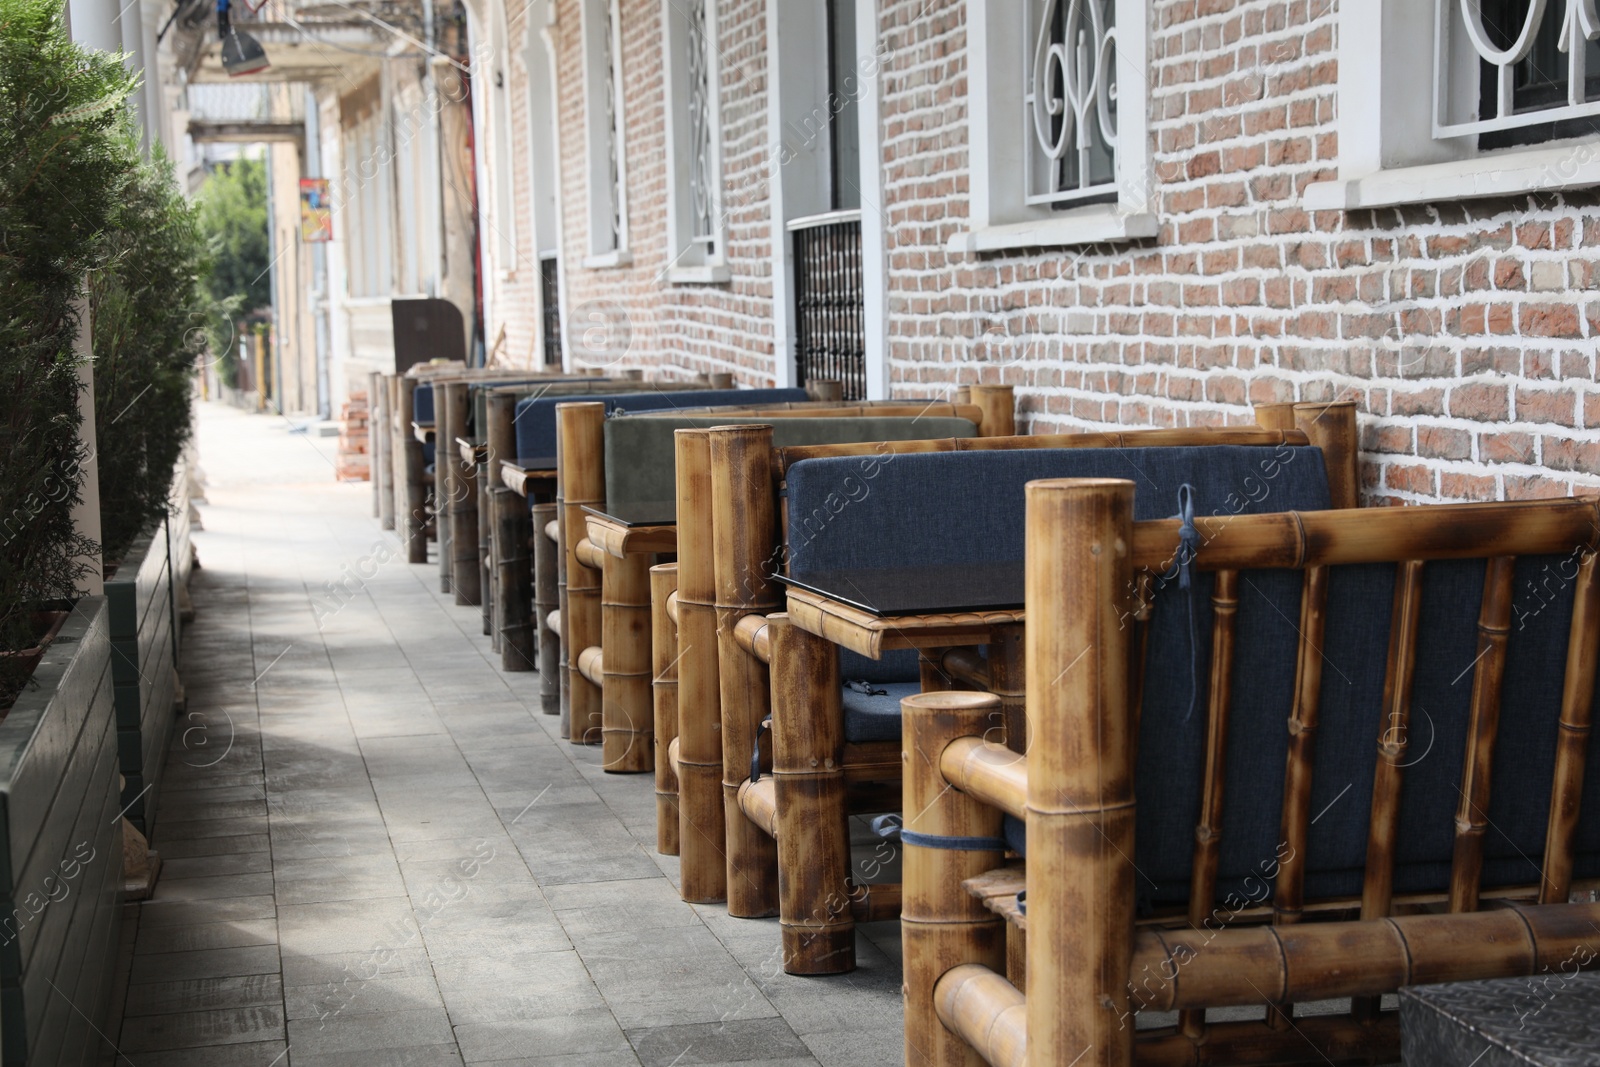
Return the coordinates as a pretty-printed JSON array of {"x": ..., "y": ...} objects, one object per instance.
[
  {"x": 1182, "y": 569},
  {"x": 892, "y": 828}
]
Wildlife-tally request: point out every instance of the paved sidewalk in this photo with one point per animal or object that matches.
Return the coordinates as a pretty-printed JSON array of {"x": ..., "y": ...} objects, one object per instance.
[{"x": 378, "y": 852}]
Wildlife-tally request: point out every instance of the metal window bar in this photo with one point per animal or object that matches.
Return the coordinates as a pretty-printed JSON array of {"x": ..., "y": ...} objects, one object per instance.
[
  {"x": 829, "y": 300},
  {"x": 1535, "y": 65},
  {"x": 550, "y": 305}
]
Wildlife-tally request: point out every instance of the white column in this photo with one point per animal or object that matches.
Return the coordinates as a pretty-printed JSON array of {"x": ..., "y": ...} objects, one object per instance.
[{"x": 86, "y": 513}]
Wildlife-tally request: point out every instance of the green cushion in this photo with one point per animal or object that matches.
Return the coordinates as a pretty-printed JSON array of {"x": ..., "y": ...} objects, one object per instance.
[{"x": 640, "y": 464}]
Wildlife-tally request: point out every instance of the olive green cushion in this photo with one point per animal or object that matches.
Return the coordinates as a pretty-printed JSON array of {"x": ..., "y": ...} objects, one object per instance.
[{"x": 640, "y": 464}]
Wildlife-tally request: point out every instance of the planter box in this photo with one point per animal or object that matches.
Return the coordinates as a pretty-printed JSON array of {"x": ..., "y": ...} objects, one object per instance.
[
  {"x": 60, "y": 850},
  {"x": 139, "y": 600}
]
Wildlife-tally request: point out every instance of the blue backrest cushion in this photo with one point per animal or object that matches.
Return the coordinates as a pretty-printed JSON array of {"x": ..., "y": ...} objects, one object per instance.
[
  {"x": 422, "y": 403},
  {"x": 968, "y": 507},
  {"x": 536, "y": 416}
]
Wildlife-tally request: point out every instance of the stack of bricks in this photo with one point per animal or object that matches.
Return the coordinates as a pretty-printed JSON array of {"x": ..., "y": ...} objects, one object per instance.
[{"x": 355, "y": 461}]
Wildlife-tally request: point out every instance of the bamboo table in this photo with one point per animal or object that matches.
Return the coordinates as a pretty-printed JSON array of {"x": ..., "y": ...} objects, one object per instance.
[
  {"x": 422, "y": 431},
  {"x": 939, "y": 611}
]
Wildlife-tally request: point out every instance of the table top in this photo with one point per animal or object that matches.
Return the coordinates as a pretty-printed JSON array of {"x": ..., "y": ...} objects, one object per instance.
[
  {"x": 621, "y": 539},
  {"x": 871, "y": 634},
  {"x": 472, "y": 451},
  {"x": 422, "y": 431},
  {"x": 1548, "y": 1020},
  {"x": 639, "y": 513},
  {"x": 934, "y": 590},
  {"x": 516, "y": 474}
]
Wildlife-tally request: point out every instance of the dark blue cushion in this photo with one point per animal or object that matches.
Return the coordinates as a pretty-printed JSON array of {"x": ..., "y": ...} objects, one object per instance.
[
  {"x": 954, "y": 508},
  {"x": 536, "y": 416},
  {"x": 427, "y": 454},
  {"x": 875, "y": 717},
  {"x": 422, "y": 403}
]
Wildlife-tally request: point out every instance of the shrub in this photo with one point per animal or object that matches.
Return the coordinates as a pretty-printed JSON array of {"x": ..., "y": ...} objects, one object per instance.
[
  {"x": 63, "y": 168},
  {"x": 151, "y": 311}
]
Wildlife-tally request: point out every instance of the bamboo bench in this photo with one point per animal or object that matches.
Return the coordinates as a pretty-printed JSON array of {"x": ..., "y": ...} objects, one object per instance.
[
  {"x": 784, "y": 839},
  {"x": 1339, "y": 816},
  {"x": 625, "y": 468}
]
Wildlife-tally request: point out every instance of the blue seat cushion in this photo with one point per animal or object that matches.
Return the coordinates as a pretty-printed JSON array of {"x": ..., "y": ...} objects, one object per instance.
[
  {"x": 956, "y": 508},
  {"x": 422, "y": 403},
  {"x": 536, "y": 416},
  {"x": 875, "y": 717},
  {"x": 427, "y": 455}
]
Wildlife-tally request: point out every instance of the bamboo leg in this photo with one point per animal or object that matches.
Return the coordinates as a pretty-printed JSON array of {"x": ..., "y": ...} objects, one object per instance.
[
  {"x": 512, "y": 577},
  {"x": 399, "y": 427},
  {"x": 443, "y": 485},
  {"x": 414, "y": 509},
  {"x": 1007, "y": 681},
  {"x": 563, "y": 668},
  {"x": 701, "y": 830},
  {"x": 941, "y": 924},
  {"x": 486, "y": 561},
  {"x": 742, "y": 520},
  {"x": 546, "y": 598},
  {"x": 1572, "y": 747},
  {"x": 581, "y": 479},
  {"x": 1080, "y": 809},
  {"x": 382, "y": 459},
  {"x": 626, "y": 713},
  {"x": 1332, "y": 428},
  {"x": 819, "y": 934},
  {"x": 664, "y": 661},
  {"x": 466, "y": 577}
]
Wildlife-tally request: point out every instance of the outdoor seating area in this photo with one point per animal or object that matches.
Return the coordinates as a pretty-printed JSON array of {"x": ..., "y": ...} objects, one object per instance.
[{"x": 832, "y": 533}]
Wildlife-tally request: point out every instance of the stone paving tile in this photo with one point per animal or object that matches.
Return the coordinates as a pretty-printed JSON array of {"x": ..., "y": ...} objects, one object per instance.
[{"x": 434, "y": 878}]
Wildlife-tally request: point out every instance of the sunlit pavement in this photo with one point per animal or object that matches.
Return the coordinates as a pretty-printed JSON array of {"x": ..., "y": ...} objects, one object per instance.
[{"x": 378, "y": 852}]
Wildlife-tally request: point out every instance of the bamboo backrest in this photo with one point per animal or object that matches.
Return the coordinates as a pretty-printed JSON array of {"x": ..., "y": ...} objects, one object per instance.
[{"x": 1473, "y": 598}]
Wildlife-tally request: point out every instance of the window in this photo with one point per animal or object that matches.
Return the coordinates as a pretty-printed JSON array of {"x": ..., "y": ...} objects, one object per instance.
[
  {"x": 844, "y": 98},
  {"x": 1508, "y": 101},
  {"x": 1060, "y": 147},
  {"x": 694, "y": 139},
  {"x": 607, "y": 158}
]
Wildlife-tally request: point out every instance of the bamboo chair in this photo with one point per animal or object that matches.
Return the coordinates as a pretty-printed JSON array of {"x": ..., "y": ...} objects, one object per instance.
[
  {"x": 531, "y": 473},
  {"x": 784, "y": 840},
  {"x": 1375, "y": 865},
  {"x": 626, "y": 464}
]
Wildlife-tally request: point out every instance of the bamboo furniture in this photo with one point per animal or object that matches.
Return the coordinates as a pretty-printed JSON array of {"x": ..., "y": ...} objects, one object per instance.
[
  {"x": 629, "y": 466},
  {"x": 1342, "y": 816},
  {"x": 834, "y": 752}
]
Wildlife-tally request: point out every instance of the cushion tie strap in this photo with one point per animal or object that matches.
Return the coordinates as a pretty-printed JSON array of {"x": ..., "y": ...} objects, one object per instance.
[
  {"x": 1182, "y": 569},
  {"x": 755, "y": 749},
  {"x": 865, "y": 688},
  {"x": 953, "y": 844},
  {"x": 1022, "y": 902}
]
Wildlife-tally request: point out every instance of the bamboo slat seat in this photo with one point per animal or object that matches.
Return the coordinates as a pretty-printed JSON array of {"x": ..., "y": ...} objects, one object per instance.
[
  {"x": 1389, "y": 778},
  {"x": 949, "y": 508}
]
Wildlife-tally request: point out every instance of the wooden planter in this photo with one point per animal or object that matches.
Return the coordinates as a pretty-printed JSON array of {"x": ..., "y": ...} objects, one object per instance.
[
  {"x": 60, "y": 849},
  {"x": 143, "y": 667}
]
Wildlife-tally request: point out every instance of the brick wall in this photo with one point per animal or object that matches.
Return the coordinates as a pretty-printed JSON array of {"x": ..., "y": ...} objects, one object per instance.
[
  {"x": 698, "y": 328},
  {"x": 1465, "y": 331}
]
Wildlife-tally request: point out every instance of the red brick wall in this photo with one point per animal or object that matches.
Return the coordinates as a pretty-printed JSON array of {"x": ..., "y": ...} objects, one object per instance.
[
  {"x": 1465, "y": 331},
  {"x": 698, "y": 328}
]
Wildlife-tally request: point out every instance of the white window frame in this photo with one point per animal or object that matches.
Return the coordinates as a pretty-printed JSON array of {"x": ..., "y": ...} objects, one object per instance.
[
  {"x": 1388, "y": 153},
  {"x": 608, "y": 199},
  {"x": 690, "y": 262},
  {"x": 998, "y": 39}
]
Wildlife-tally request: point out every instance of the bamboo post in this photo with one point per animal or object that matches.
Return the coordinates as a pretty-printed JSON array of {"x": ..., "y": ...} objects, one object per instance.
[
  {"x": 377, "y": 423},
  {"x": 383, "y": 451},
  {"x": 961, "y": 394},
  {"x": 513, "y": 575},
  {"x": 721, "y": 380},
  {"x": 563, "y": 668},
  {"x": 1332, "y": 427},
  {"x": 413, "y": 512},
  {"x": 664, "y": 689},
  {"x": 581, "y": 479},
  {"x": 627, "y": 713},
  {"x": 700, "y": 816},
  {"x": 443, "y": 485},
  {"x": 1080, "y": 810},
  {"x": 819, "y": 933},
  {"x": 942, "y": 925},
  {"x": 1276, "y": 416},
  {"x": 999, "y": 406},
  {"x": 546, "y": 598},
  {"x": 742, "y": 521},
  {"x": 1008, "y": 681},
  {"x": 462, "y": 497},
  {"x": 499, "y": 444},
  {"x": 486, "y": 564},
  {"x": 1572, "y": 746}
]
